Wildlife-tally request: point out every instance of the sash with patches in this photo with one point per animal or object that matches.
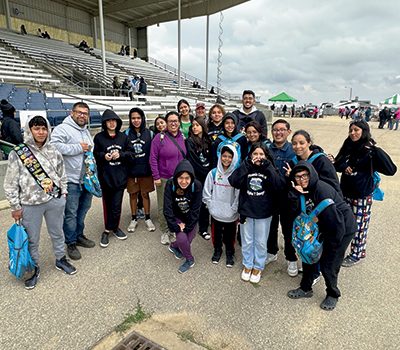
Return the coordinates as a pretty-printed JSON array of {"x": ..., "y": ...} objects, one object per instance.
[{"x": 31, "y": 163}]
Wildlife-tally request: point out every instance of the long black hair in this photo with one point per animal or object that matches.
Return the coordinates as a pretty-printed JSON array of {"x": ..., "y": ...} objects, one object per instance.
[{"x": 203, "y": 142}]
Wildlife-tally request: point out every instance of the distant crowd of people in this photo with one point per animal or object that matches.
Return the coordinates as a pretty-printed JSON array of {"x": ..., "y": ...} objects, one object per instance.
[
  {"x": 39, "y": 32},
  {"x": 129, "y": 87}
]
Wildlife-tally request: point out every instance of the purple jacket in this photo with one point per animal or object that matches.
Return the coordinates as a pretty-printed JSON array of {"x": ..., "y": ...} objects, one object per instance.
[{"x": 165, "y": 156}]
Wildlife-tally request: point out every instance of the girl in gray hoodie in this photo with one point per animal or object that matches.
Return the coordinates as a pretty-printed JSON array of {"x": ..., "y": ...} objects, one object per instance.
[{"x": 222, "y": 201}]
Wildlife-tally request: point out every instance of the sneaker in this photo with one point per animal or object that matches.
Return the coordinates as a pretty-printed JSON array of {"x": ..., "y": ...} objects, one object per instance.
[
  {"x": 104, "y": 242},
  {"x": 120, "y": 234},
  {"x": 348, "y": 261},
  {"x": 132, "y": 226},
  {"x": 84, "y": 242},
  {"x": 150, "y": 226},
  {"x": 216, "y": 257},
  {"x": 140, "y": 214},
  {"x": 205, "y": 235},
  {"x": 172, "y": 237},
  {"x": 299, "y": 293},
  {"x": 271, "y": 258},
  {"x": 246, "y": 273},
  {"x": 165, "y": 238},
  {"x": 64, "y": 265},
  {"x": 188, "y": 264},
  {"x": 73, "y": 252},
  {"x": 292, "y": 269},
  {"x": 255, "y": 276},
  {"x": 177, "y": 253},
  {"x": 316, "y": 280},
  {"x": 230, "y": 261},
  {"x": 31, "y": 282}
]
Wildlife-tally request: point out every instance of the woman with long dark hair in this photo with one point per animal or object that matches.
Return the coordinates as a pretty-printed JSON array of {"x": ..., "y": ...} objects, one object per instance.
[{"x": 357, "y": 160}]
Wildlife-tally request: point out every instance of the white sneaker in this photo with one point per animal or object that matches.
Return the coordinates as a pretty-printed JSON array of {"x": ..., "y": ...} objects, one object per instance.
[
  {"x": 271, "y": 258},
  {"x": 165, "y": 238},
  {"x": 246, "y": 275},
  {"x": 292, "y": 269},
  {"x": 132, "y": 226},
  {"x": 255, "y": 277},
  {"x": 150, "y": 226},
  {"x": 172, "y": 237}
]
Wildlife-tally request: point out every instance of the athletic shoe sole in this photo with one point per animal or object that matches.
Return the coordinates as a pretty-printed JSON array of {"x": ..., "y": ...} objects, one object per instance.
[
  {"x": 120, "y": 238},
  {"x": 104, "y": 245},
  {"x": 72, "y": 273},
  {"x": 29, "y": 288}
]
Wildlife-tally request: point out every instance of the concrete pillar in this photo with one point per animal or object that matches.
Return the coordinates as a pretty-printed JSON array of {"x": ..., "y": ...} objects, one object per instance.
[{"x": 142, "y": 46}]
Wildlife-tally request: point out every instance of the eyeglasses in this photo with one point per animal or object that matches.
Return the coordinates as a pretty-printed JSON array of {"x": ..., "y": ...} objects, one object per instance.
[
  {"x": 279, "y": 130},
  {"x": 173, "y": 121},
  {"x": 302, "y": 177},
  {"x": 84, "y": 114}
]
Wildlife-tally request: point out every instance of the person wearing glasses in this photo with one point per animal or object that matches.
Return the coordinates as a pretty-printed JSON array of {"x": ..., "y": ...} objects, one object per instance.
[
  {"x": 282, "y": 151},
  {"x": 336, "y": 226},
  {"x": 72, "y": 139},
  {"x": 167, "y": 150}
]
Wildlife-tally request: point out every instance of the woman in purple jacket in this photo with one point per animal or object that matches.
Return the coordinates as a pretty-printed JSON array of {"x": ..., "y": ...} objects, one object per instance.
[{"x": 167, "y": 150}]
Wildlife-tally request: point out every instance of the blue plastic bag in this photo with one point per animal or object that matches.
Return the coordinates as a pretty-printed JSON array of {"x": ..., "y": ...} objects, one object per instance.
[
  {"x": 20, "y": 260},
  {"x": 90, "y": 178}
]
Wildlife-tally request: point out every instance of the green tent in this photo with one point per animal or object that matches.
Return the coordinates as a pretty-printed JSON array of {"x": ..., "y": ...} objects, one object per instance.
[
  {"x": 282, "y": 97},
  {"x": 394, "y": 100}
]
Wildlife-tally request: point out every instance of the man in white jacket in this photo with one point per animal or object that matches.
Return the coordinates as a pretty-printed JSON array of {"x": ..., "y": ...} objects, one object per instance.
[{"x": 72, "y": 138}]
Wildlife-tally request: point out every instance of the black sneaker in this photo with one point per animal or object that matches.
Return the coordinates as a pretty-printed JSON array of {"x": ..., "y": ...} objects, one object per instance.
[
  {"x": 104, "y": 242},
  {"x": 216, "y": 257},
  {"x": 31, "y": 282},
  {"x": 64, "y": 265},
  {"x": 120, "y": 234},
  {"x": 229, "y": 261},
  {"x": 73, "y": 252},
  {"x": 84, "y": 242}
]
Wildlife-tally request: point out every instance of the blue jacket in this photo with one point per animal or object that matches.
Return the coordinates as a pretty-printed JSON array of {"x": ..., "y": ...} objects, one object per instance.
[{"x": 281, "y": 155}]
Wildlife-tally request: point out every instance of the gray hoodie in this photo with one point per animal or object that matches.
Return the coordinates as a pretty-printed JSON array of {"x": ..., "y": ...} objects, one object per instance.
[
  {"x": 19, "y": 185},
  {"x": 67, "y": 137},
  {"x": 220, "y": 197}
]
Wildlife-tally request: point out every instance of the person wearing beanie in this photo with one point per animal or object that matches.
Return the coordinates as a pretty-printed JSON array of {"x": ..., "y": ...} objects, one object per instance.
[
  {"x": 229, "y": 135},
  {"x": 357, "y": 160},
  {"x": 113, "y": 152},
  {"x": 10, "y": 128}
]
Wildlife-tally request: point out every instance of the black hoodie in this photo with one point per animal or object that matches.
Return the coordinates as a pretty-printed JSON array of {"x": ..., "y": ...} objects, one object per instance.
[
  {"x": 259, "y": 187},
  {"x": 242, "y": 141},
  {"x": 140, "y": 141},
  {"x": 113, "y": 173},
  {"x": 184, "y": 205},
  {"x": 334, "y": 221},
  {"x": 10, "y": 128}
]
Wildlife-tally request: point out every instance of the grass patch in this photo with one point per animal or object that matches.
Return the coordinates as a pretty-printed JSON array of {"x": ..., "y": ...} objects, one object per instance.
[
  {"x": 188, "y": 336},
  {"x": 137, "y": 317}
]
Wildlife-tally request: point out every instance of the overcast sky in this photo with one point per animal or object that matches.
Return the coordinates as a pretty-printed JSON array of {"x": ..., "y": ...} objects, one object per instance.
[{"x": 314, "y": 50}]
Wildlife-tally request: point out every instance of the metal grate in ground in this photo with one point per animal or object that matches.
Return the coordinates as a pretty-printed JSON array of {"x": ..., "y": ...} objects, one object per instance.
[{"x": 135, "y": 341}]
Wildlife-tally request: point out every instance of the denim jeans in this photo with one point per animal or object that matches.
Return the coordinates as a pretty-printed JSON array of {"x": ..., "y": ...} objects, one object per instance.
[
  {"x": 78, "y": 204},
  {"x": 254, "y": 233}
]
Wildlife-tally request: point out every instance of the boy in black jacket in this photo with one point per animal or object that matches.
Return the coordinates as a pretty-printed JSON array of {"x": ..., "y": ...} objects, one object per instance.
[
  {"x": 140, "y": 179},
  {"x": 112, "y": 151},
  {"x": 182, "y": 202},
  {"x": 336, "y": 226}
]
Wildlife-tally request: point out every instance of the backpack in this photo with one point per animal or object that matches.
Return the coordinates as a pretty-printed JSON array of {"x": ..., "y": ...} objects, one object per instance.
[
  {"x": 310, "y": 160},
  {"x": 230, "y": 141},
  {"x": 378, "y": 193},
  {"x": 20, "y": 260},
  {"x": 90, "y": 178},
  {"x": 305, "y": 232}
]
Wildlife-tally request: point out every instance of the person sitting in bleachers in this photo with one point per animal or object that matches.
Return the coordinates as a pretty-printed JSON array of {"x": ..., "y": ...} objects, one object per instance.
[{"x": 23, "y": 30}]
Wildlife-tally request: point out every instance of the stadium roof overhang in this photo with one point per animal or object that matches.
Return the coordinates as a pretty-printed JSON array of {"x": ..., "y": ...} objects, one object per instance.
[{"x": 143, "y": 13}]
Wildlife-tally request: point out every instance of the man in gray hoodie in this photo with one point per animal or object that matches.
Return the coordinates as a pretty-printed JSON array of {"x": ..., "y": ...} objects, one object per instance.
[
  {"x": 36, "y": 186},
  {"x": 72, "y": 138}
]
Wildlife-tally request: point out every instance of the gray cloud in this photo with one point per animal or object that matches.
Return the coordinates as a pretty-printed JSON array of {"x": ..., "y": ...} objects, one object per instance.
[{"x": 310, "y": 49}]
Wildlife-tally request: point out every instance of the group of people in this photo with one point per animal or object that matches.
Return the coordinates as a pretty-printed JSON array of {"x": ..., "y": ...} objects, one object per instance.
[
  {"x": 130, "y": 86},
  {"x": 219, "y": 166},
  {"x": 391, "y": 116}
]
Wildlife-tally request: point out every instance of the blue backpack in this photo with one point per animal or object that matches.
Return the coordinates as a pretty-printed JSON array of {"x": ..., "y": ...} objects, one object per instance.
[
  {"x": 305, "y": 232},
  {"x": 230, "y": 141},
  {"x": 20, "y": 260},
  {"x": 378, "y": 193},
  {"x": 310, "y": 160}
]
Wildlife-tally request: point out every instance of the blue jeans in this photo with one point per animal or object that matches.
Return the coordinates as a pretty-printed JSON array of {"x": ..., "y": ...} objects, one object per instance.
[
  {"x": 254, "y": 234},
  {"x": 78, "y": 204}
]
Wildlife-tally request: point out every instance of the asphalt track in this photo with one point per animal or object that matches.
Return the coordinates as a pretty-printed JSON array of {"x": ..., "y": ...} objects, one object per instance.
[{"x": 73, "y": 312}]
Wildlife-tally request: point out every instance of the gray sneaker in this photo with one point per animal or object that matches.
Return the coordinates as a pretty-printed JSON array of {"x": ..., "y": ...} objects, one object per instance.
[
  {"x": 132, "y": 226},
  {"x": 172, "y": 237},
  {"x": 149, "y": 225},
  {"x": 165, "y": 238}
]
